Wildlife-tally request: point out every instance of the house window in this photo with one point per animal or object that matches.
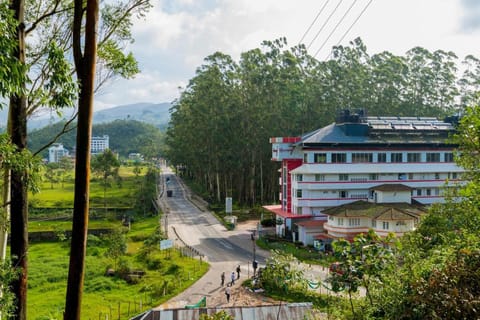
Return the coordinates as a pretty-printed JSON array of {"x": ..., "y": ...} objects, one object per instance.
[
  {"x": 396, "y": 157},
  {"x": 319, "y": 177},
  {"x": 340, "y": 221},
  {"x": 382, "y": 157},
  {"x": 401, "y": 223},
  {"x": 352, "y": 222},
  {"x": 299, "y": 193},
  {"x": 320, "y": 157},
  {"x": 305, "y": 158},
  {"x": 343, "y": 194},
  {"x": 339, "y": 157},
  {"x": 374, "y": 223},
  {"x": 299, "y": 177},
  {"x": 448, "y": 157},
  {"x": 433, "y": 157},
  {"x": 343, "y": 177},
  {"x": 330, "y": 218},
  {"x": 385, "y": 225},
  {"x": 413, "y": 157},
  {"x": 361, "y": 157}
]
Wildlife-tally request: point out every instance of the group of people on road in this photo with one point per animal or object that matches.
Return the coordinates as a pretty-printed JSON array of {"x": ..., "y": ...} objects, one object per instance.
[{"x": 233, "y": 277}]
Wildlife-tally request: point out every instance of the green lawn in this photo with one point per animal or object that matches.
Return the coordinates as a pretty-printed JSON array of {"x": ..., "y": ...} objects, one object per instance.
[{"x": 167, "y": 273}]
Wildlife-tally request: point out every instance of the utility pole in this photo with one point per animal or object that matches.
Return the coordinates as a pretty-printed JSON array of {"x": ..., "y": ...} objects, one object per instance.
[{"x": 254, "y": 261}]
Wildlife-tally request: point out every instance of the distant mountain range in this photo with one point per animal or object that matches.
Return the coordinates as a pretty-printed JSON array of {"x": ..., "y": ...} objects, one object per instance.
[{"x": 157, "y": 114}]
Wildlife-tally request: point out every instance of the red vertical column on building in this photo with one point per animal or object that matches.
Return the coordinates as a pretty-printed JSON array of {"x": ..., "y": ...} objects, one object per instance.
[{"x": 290, "y": 164}]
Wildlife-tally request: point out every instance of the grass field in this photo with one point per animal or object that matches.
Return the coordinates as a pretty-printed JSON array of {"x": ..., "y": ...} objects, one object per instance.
[
  {"x": 104, "y": 297},
  {"x": 166, "y": 275}
]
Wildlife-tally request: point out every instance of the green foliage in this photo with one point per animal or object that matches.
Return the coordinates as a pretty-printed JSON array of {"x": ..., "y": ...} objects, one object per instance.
[
  {"x": 116, "y": 245},
  {"x": 221, "y": 315},
  {"x": 282, "y": 274},
  {"x": 12, "y": 72},
  {"x": 7, "y": 275}
]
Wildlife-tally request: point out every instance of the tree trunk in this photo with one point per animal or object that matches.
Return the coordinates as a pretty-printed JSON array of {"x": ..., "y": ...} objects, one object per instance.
[
  {"x": 85, "y": 66},
  {"x": 18, "y": 191}
]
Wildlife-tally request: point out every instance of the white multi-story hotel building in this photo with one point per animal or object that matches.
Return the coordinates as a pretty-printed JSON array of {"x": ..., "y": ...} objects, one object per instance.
[
  {"x": 55, "y": 152},
  {"x": 349, "y": 160},
  {"x": 99, "y": 144}
]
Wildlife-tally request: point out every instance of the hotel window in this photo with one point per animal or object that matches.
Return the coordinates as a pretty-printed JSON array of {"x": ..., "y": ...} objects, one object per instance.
[
  {"x": 319, "y": 177},
  {"x": 402, "y": 176},
  {"x": 299, "y": 210},
  {"x": 410, "y": 176},
  {"x": 361, "y": 157},
  {"x": 330, "y": 218},
  {"x": 320, "y": 157},
  {"x": 299, "y": 193},
  {"x": 284, "y": 175},
  {"x": 373, "y": 176},
  {"x": 437, "y": 176},
  {"x": 429, "y": 192},
  {"x": 448, "y": 157},
  {"x": 385, "y": 225},
  {"x": 352, "y": 222},
  {"x": 343, "y": 177},
  {"x": 419, "y": 192},
  {"x": 396, "y": 157},
  {"x": 339, "y": 157},
  {"x": 454, "y": 175},
  {"x": 374, "y": 223},
  {"x": 299, "y": 177},
  {"x": 340, "y": 221},
  {"x": 382, "y": 157},
  {"x": 305, "y": 158},
  {"x": 433, "y": 157},
  {"x": 413, "y": 157},
  {"x": 437, "y": 191},
  {"x": 343, "y": 194}
]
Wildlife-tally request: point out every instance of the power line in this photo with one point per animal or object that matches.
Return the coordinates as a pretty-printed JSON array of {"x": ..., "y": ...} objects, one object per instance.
[
  {"x": 314, "y": 20},
  {"x": 351, "y": 26},
  {"x": 335, "y": 28},
  {"x": 326, "y": 21}
]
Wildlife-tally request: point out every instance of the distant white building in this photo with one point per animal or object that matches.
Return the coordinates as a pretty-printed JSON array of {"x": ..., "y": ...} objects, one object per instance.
[
  {"x": 98, "y": 145},
  {"x": 56, "y": 152}
]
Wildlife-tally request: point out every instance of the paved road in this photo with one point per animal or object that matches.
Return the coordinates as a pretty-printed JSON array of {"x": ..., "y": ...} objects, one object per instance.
[{"x": 189, "y": 223}]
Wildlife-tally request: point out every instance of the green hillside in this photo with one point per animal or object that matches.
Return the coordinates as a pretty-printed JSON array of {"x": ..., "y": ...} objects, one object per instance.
[{"x": 126, "y": 136}]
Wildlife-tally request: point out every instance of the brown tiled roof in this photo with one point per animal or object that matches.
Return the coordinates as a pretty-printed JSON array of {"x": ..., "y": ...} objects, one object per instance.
[
  {"x": 391, "y": 187},
  {"x": 388, "y": 211}
]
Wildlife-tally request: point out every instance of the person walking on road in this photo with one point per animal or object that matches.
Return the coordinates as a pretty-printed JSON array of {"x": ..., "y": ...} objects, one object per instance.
[
  {"x": 227, "y": 293},
  {"x": 222, "y": 277},
  {"x": 233, "y": 278},
  {"x": 238, "y": 272}
]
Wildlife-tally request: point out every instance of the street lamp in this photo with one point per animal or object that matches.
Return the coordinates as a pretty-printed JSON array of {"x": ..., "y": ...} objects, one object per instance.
[{"x": 254, "y": 261}]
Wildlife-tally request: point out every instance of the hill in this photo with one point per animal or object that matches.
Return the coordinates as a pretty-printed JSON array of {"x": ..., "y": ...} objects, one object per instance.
[
  {"x": 126, "y": 136},
  {"x": 156, "y": 114}
]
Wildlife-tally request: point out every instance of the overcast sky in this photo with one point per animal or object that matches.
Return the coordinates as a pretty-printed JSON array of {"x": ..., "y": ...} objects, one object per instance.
[{"x": 175, "y": 37}]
